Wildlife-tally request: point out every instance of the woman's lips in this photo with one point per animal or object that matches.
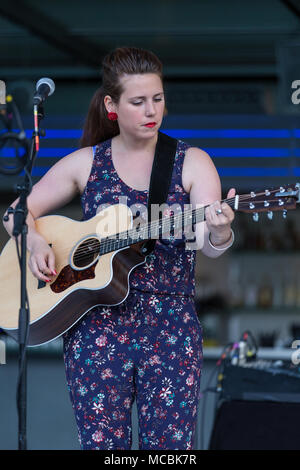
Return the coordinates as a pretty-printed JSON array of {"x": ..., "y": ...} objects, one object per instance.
[{"x": 150, "y": 124}]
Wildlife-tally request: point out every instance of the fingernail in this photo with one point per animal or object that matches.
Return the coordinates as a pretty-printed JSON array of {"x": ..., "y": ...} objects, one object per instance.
[
  {"x": 54, "y": 272},
  {"x": 48, "y": 280}
]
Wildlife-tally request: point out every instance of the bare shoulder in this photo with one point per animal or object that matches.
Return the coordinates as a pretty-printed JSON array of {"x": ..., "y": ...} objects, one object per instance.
[
  {"x": 75, "y": 160},
  {"x": 79, "y": 164},
  {"x": 61, "y": 183},
  {"x": 198, "y": 169}
]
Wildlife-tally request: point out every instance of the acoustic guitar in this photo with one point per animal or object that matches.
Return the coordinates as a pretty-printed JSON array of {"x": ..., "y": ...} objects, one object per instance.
[{"x": 94, "y": 259}]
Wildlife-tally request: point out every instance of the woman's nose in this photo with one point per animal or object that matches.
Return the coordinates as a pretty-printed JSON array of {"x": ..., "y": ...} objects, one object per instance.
[{"x": 150, "y": 109}]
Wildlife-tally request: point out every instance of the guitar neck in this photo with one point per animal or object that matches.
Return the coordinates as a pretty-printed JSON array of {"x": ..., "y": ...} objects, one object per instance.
[
  {"x": 154, "y": 229},
  {"x": 279, "y": 199}
]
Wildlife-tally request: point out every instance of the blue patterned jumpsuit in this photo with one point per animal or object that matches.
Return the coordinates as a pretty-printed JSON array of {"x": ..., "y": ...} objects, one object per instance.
[{"x": 149, "y": 347}]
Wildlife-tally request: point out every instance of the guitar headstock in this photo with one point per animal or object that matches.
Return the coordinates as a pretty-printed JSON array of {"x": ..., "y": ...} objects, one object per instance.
[{"x": 282, "y": 199}]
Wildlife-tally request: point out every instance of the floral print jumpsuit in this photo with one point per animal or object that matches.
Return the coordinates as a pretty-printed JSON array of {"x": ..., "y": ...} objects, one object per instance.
[{"x": 147, "y": 348}]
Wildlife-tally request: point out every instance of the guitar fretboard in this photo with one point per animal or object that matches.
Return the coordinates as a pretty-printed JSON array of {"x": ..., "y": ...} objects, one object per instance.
[
  {"x": 153, "y": 230},
  {"x": 282, "y": 198}
]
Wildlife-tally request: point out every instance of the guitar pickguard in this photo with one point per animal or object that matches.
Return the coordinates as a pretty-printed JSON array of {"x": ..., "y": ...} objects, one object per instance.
[{"x": 69, "y": 276}]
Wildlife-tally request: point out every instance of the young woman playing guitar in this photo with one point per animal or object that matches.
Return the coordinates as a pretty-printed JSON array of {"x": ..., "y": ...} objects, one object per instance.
[{"x": 148, "y": 347}]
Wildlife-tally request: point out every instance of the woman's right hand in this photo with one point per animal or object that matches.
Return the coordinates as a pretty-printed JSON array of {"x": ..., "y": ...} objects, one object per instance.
[{"x": 42, "y": 259}]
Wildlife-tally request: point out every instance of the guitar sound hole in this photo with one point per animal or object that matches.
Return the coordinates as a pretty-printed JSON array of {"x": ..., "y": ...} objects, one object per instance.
[{"x": 86, "y": 253}]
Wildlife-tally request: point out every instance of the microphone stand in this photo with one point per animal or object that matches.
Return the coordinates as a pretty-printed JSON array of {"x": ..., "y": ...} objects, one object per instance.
[{"x": 20, "y": 228}]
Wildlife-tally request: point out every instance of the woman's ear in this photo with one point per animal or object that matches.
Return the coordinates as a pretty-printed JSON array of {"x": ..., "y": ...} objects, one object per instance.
[{"x": 109, "y": 104}]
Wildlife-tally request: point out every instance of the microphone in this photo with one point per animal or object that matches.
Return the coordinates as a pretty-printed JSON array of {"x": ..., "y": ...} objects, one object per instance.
[
  {"x": 2, "y": 97},
  {"x": 44, "y": 88}
]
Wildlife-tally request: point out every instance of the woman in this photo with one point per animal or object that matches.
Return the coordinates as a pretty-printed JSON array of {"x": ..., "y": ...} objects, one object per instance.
[{"x": 150, "y": 346}]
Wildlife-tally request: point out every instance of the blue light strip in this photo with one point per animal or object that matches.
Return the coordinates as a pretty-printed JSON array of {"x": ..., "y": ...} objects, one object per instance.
[
  {"x": 9, "y": 152},
  {"x": 296, "y": 152},
  {"x": 190, "y": 133},
  {"x": 56, "y": 134},
  {"x": 296, "y": 133}
]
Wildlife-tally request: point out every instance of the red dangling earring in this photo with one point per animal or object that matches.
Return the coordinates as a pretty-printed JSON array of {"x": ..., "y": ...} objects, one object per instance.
[{"x": 112, "y": 116}]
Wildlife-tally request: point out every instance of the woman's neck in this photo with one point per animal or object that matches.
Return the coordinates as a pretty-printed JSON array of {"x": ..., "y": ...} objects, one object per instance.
[{"x": 131, "y": 145}]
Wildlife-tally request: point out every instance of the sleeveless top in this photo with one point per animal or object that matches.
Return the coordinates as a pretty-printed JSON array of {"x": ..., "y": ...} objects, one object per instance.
[{"x": 169, "y": 269}]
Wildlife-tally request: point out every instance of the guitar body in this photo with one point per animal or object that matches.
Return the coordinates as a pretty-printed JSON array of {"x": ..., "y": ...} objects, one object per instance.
[{"x": 83, "y": 281}]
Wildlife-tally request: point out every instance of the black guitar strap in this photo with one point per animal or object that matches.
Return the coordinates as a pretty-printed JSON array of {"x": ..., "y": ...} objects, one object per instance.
[{"x": 161, "y": 175}]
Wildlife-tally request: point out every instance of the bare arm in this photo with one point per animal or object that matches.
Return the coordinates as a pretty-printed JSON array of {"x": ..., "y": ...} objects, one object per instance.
[
  {"x": 54, "y": 190},
  {"x": 205, "y": 190}
]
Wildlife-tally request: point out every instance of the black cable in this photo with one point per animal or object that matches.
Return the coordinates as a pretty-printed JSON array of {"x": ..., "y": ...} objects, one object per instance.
[{"x": 17, "y": 141}]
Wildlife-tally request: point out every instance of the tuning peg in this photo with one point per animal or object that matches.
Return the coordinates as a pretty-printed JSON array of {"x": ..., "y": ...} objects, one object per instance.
[
  {"x": 267, "y": 192},
  {"x": 270, "y": 215},
  {"x": 255, "y": 216},
  {"x": 284, "y": 214}
]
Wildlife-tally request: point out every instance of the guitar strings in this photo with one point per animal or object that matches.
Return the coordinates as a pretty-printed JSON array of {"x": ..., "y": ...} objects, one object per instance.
[
  {"x": 107, "y": 242},
  {"x": 154, "y": 225}
]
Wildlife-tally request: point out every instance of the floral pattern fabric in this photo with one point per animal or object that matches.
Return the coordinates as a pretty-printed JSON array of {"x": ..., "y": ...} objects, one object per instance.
[{"x": 148, "y": 348}]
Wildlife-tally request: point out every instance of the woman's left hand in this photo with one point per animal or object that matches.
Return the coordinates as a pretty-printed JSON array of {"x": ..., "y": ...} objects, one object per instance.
[{"x": 219, "y": 217}]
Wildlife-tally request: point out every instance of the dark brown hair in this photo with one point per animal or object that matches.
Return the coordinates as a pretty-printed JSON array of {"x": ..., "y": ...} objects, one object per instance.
[{"x": 123, "y": 60}]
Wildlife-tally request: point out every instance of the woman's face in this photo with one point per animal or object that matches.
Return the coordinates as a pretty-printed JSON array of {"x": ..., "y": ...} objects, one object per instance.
[{"x": 141, "y": 106}]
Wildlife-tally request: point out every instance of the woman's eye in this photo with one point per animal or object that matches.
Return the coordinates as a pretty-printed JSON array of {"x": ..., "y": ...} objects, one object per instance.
[{"x": 137, "y": 103}]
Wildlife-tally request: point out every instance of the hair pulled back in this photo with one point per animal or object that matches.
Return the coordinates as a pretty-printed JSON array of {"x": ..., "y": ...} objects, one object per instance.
[{"x": 123, "y": 60}]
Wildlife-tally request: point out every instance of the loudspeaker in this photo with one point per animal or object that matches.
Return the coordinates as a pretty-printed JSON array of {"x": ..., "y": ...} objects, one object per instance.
[{"x": 256, "y": 425}]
